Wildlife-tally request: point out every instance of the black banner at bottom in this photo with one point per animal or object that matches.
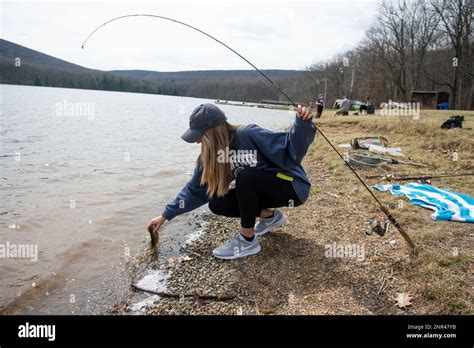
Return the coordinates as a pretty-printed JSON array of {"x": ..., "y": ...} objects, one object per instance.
[{"x": 170, "y": 330}]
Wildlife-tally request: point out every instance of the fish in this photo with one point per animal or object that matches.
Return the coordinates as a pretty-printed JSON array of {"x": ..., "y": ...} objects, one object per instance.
[{"x": 155, "y": 237}]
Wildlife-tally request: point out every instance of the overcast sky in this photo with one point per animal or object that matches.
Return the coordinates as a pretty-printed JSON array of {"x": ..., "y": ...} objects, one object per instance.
[{"x": 273, "y": 34}]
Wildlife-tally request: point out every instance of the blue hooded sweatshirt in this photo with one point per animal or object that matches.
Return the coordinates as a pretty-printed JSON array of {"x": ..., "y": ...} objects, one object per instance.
[{"x": 278, "y": 152}]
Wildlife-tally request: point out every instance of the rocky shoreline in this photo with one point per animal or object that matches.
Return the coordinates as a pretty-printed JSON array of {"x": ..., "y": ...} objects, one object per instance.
[{"x": 202, "y": 274}]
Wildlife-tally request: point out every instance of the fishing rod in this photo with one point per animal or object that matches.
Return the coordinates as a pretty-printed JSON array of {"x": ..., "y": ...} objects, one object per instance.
[
  {"x": 423, "y": 178},
  {"x": 383, "y": 208},
  {"x": 395, "y": 161}
]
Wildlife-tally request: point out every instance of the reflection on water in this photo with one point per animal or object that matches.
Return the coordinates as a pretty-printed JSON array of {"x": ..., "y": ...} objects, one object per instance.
[{"x": 82, "y": 186}]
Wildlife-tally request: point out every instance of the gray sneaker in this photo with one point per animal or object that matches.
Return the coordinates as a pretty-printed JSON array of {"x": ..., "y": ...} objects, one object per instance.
[
  {"x": 237, "y": 247},
  {"x": 266, "y": 225}
]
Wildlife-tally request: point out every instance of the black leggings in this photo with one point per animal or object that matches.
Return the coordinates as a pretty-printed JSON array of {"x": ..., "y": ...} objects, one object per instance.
[{"x": 254, "y": 191}]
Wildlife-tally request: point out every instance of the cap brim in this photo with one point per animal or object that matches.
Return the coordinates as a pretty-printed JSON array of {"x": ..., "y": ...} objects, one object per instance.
[{"x": 192, "y": 135}]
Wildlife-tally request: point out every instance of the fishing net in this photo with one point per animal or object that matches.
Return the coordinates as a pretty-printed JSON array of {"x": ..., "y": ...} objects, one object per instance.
[{"x": 361, "y": 159}]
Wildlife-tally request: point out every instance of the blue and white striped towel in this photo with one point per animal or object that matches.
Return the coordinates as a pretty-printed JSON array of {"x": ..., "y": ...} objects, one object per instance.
[{"x": 447, "y": 205}]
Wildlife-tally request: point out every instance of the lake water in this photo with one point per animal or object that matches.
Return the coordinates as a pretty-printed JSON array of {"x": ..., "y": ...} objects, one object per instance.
[{"x": 81, "y": 174}]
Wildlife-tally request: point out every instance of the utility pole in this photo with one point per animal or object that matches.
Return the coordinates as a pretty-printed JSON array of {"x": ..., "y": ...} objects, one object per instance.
[
  {"x": 325, "y": 86},
  {"x": 352, "y": 81}
]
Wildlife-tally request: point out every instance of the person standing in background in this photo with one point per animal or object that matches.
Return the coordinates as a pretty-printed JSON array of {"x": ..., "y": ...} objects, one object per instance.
[
  {"x": 370, "y": 107},
  {"x": 320, "y": 106}
]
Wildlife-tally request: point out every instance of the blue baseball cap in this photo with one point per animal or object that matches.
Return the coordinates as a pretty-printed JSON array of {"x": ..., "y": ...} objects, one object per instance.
[{"x": 205, "y": 116}]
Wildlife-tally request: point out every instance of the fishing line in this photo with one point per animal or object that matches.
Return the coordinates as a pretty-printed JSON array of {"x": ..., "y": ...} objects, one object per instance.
[{"x": 383, "y": 208}]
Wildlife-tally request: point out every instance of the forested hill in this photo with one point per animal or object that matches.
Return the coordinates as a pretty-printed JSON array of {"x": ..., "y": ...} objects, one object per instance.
[
  {"x": 203, "y": 74},
  {"x": 10, "y": 51},
  {"x": 23, "y": 66}
]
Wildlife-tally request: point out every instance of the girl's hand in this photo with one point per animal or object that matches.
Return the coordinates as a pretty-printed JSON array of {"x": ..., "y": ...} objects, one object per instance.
[
  {"x": 153, "y": 227},
  {"x": 304, "y": 113}
]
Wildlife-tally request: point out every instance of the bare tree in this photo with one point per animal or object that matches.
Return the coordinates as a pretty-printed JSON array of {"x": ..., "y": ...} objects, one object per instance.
[
  {"x": 456, "y": 18},
  {"x": 422, "y": 33},
  {"x": 410, "y": 46}
]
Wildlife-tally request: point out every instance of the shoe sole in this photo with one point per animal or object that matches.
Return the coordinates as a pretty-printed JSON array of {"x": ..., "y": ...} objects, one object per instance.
[
  {"x": 239, "y": 255},
  {"x": 277, "y": 224}
]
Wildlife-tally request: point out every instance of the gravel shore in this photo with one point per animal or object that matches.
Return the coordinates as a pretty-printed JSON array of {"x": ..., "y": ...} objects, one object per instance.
[{"x": 202, "y": 273}]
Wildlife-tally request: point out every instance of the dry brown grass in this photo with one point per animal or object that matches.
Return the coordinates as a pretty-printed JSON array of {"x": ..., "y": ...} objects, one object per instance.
[{"x": 443, "y": 282}]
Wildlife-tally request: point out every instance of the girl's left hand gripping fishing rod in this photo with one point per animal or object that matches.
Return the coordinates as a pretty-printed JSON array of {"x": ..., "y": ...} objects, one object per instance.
[{"x": 383, "y": 208}]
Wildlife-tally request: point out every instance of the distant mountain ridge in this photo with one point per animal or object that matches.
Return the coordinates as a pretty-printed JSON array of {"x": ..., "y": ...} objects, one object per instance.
[
  {"x": 40, "y": 69},
  {"x": 9, "y": 51}
]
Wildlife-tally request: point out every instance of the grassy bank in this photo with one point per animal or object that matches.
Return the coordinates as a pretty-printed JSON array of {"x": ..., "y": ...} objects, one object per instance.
[{"x": 293, "y": 275}]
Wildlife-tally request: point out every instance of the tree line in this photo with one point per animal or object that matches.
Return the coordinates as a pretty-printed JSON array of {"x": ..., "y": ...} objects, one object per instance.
[
  {"x": 47, "y": 76},
  {"x": 412, "y": 45}
]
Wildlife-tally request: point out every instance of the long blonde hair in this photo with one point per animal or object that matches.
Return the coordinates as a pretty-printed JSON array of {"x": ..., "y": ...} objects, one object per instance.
[{"x": 216, "y": 174}]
